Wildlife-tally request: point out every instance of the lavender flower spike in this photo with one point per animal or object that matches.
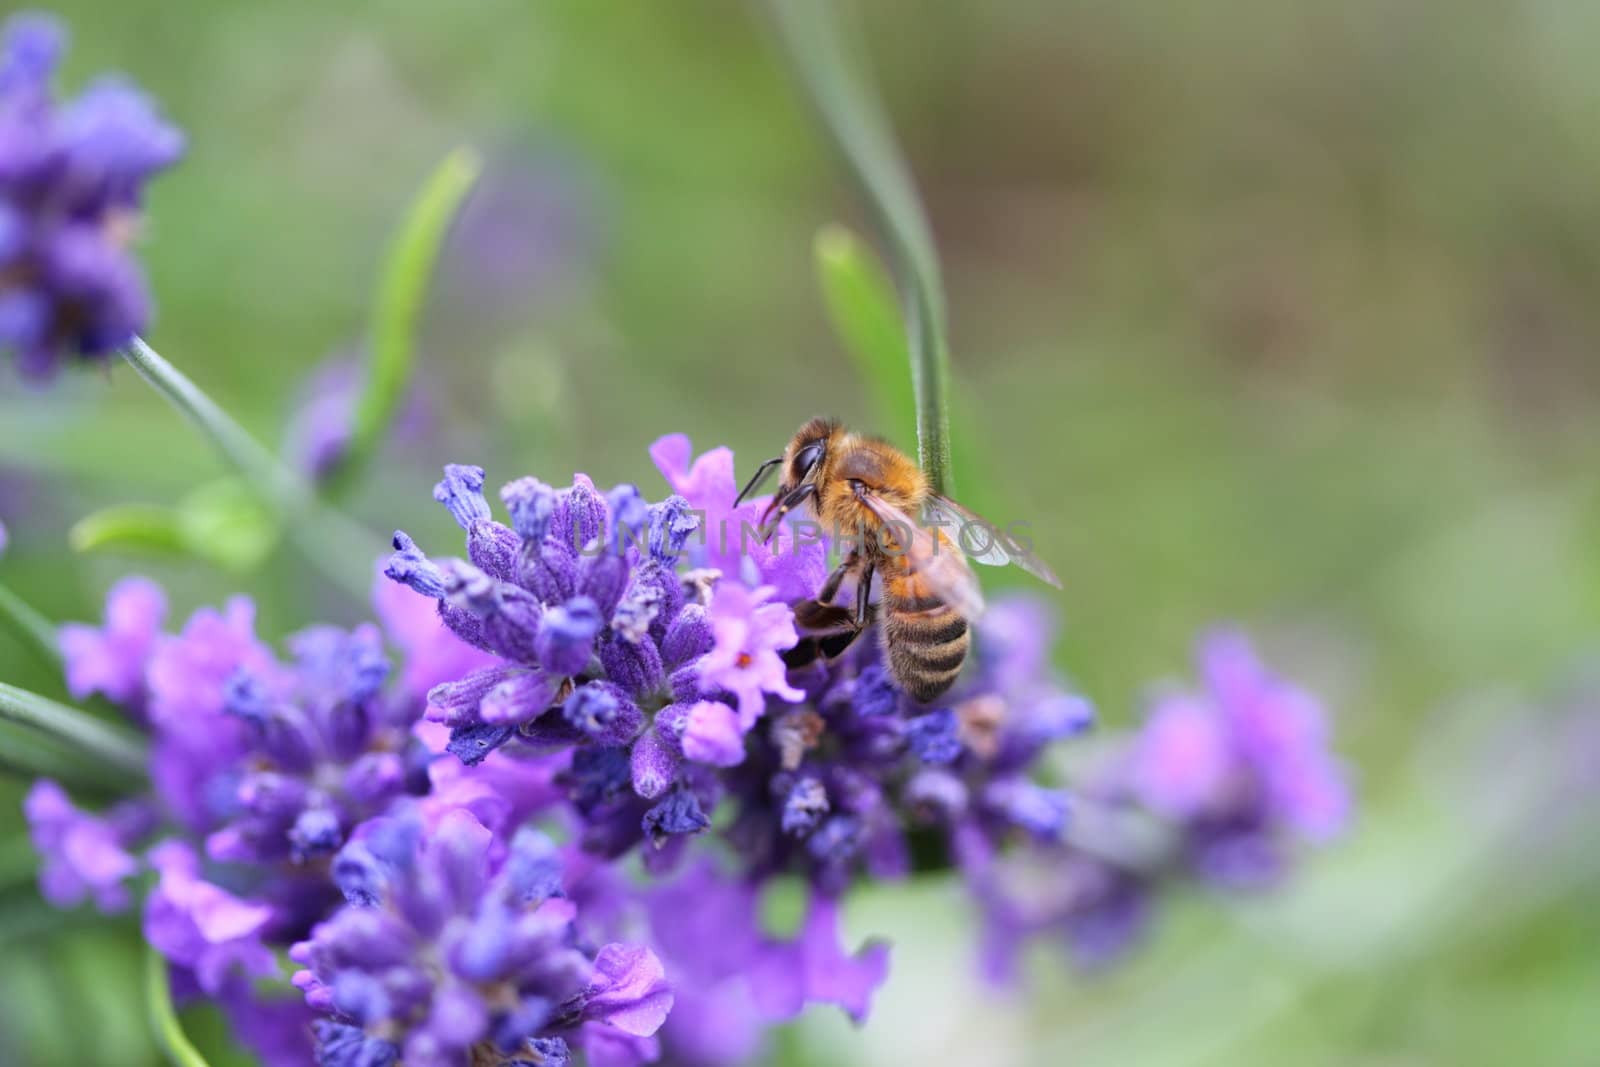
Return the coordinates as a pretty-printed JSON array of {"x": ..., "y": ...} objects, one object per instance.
[
  {"x": 71, "y": 178},
  {"x": 453, "y": 950}
]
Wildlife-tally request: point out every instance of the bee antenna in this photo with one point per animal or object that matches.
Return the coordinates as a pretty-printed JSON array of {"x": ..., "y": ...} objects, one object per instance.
[{"x": 756, "y": 479}]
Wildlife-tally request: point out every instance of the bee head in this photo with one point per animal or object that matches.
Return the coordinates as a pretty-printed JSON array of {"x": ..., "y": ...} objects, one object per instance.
[
  {"x": 800, "y": 461},
  {"x": 805, "y": 453}
]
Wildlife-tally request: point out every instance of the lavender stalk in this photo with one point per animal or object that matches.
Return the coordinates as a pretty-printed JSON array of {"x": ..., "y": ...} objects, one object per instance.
[
  {"x": 337, "y": 546},
  {"x": 854, "y": 118},
  {"x": 117, "y": 749},
  {"x": 169, "y": 1033}
]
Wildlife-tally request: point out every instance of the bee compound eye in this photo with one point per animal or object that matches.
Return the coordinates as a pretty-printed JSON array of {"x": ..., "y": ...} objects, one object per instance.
[{"x": 806, "y": 459}]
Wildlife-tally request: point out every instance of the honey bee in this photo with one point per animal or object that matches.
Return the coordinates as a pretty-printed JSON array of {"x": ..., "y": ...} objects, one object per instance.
[{"x": 866, "y": 489}]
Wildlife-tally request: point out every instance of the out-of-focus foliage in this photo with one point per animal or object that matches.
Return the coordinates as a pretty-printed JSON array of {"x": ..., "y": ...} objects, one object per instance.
[{"x": 1280, "y": 312}]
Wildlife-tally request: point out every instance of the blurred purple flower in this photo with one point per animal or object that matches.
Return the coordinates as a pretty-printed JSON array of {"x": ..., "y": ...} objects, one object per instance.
[
  {"x": 71, "y": 178},
  {"x": 276, "y": 1030},
  {"x": 83, "y": 855},
  {"x": 202, "y": 927},
  {"x": 111, "y": 660},
  {"x": 815, "y": 967},
  {"x": 269, "y": 764},
  {"x": 525, "y": 240},
  {"x": 319, "y": 431},
  {"x": 187, "y": 675},
  {"x": 1242, "y": 767},
  {"x": 732, "y": 981},
  {"x": 1216, "y": 785}
]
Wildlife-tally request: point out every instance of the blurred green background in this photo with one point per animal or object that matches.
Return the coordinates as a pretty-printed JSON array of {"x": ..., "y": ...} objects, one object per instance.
[{"x": 1275, "y": 312}]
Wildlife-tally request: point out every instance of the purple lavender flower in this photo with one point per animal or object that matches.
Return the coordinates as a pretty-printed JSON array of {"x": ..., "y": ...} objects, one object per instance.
[
  {"x": 276, "y": 1028},
  {"x": 587, "y": 666},
  {"x": 748, "y": 633},
  {"x": 84, "y": 855},
  {"x": 318, "y": 435},
  {"x": 320, "y": 428},
  {"x": 454, "y": 947},
  {"x": 187, "y": 675},
  {"x": 814, "y": 967},
  {"x": 111, "y": 660},
  {"x": 599, "y": 643},
  {"x": 5, "y": 539},
  {"x": 1243, "y": 767},
  {"x": 270, "y": 765},
  {"x": 430, "y": 653},
  {"x": 794, "y": 566},
  {"x": 324, "y": 750},
  {"x": 205, "y": 929},
  {"x": 71, "y": 178},
  {"x": 672, "y": 695},
  {"x": 731, "y": 980},
  {"x": 1218, "y": 784}
]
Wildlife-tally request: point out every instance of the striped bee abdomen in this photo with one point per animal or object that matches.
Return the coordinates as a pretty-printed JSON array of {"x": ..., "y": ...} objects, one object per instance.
[{"x": 924, "y": 638}]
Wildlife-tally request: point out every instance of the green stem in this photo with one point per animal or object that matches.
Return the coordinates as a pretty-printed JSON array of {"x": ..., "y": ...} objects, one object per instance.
[
  {"x": 231, "y": 439},
  {"x": 114, "y": 747},
  {"x": 854, "y": 117},
  {"x": 32, "y": 627},
  {"x": 337, "y": 546},
  {"x": 163, "y": 1019},
  {"x": 27, "y": 754}
]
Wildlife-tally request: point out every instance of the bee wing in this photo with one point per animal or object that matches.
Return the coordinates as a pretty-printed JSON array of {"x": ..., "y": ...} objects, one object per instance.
[
  {"x": 931, "y": 557},
  {"x": 970, "y": 530}
]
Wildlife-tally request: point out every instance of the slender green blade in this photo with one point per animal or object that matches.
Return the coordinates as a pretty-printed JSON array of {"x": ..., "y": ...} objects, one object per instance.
[
  {"x": 163, "y": 1018},
  {"x": 28, "y": 754},
  {"x": 863, "y": 307},
  {"x": 32, "y": 627},
  {"x": 117, "y": 749},
  {"x": 328, "y": 539},
  {"x": 854, "y": 117},
  {"x": 397, "y": 309}
]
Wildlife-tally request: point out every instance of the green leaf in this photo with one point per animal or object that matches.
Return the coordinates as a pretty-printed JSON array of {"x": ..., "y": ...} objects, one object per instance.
[
  {"x": 129, "y": 528},
  {"x": 397, "y": 309},
  {"x": 863, "y": 307},
  {"x": 163, "y": 1019},
  {"x": 854, "y": 117},
  {"x": 117, "y": 749},
  {"x": 225, "y": 522}
]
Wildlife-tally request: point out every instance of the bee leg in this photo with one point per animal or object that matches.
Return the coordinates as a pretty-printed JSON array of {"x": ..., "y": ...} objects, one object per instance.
[
  {"x": 863, "y": 592},
  {"x": 834, "y": 645},
  {"x": 803, "y": 654},
  {"x": 830, "y": 588},
  {"x": 837, "y": 630},
  {"x": 769, "y": 523},
  {"x": 814, "y": 617},
  {"x": 756, "y": 479}
]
